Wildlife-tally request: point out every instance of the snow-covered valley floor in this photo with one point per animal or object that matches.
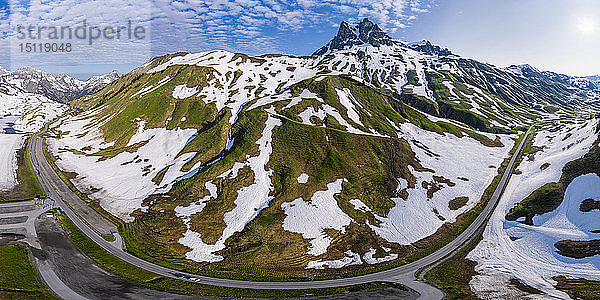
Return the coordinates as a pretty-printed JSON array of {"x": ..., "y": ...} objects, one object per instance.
[
  {"x": 20, "y": 113},
  {"x": 511, "y": 249}
]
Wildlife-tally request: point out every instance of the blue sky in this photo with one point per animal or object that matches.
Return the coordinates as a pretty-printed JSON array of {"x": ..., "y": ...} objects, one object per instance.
[
  {"x": 556, "y": 35},
  {"x": 553, "y": 35}
]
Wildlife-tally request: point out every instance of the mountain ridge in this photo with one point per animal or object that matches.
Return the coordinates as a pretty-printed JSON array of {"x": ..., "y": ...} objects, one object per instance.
[{"x": 61, "y": 87}]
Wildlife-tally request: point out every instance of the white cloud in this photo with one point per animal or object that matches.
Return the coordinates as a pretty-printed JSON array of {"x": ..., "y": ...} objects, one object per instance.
[
  {"x": 74, "y": 13},
  {"x": 251, "y": 26},
  {"x": 249, "y": 16}
]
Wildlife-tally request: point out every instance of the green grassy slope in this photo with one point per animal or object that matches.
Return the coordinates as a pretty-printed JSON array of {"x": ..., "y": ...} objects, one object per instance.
[
  {"x": 18, "y": 278},
  {"x": 324, "y": 150}
]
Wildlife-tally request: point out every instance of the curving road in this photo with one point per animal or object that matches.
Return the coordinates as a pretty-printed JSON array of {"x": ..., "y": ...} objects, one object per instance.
[
  {"x": 55, "y": 284},
  {"x": 58, "y": 190}
]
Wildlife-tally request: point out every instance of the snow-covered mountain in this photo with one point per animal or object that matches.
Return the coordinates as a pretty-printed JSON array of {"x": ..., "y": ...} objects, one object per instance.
[
  {"x": 364, "y": 32},
  {"x": 96, "y": 83},
  {"x": 29, "y": 98},
  {"x": 61, "y": 88},
  {"x": 366, "y": 153},
  {"x": 585, "y": 83},
  {"x": 21, "y": 113}
]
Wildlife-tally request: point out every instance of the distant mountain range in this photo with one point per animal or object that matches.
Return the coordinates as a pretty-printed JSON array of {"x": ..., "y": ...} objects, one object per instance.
[{"x": 61, "y": 88}]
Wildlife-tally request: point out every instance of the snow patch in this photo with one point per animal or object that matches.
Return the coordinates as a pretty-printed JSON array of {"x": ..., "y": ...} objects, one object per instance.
[
  {"x": 200, "y": 250},
  {"x": 347, "y": 100},
  {"x": 122, "y": 182},
  {"x": 303, "y": 178},
  {"x": 311, "y": 218},
  {"x": 350, "y": 259},
  {"x": 359, "y": 205},
  {"x": 183, "y": 92},
  {"x": 369, "y": 259}
]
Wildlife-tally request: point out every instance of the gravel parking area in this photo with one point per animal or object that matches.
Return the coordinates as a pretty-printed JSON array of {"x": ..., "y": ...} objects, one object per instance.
[{"x": 13, "y": 220}]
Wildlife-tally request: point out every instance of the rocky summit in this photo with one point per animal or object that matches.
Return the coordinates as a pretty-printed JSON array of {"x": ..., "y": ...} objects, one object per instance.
[{"x": 364, "y": 32}]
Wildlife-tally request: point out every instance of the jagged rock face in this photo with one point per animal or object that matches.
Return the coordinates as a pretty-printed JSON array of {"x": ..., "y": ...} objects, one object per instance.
[
  {"x": 365, "y": 32},
  {"x": 428, "y": 48},
  {"x": 61, "y": 88}
]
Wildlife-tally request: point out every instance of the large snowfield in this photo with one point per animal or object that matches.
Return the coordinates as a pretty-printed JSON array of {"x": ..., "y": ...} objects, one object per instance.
[
  {"x": 122, "y": 182},
  {"x": 20, "y": 114},
  {"x": 467, "y": 163},
  {"x": 530, "y": 256}
]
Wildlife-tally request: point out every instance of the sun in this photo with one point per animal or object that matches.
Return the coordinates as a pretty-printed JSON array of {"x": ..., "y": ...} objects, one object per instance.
[{"x": 587, "y": 26}]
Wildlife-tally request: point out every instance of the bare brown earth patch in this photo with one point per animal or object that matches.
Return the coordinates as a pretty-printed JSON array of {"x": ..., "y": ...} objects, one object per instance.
[
  {"x": 523, "y": 287},
  {"x": 578, "y": 249},
  {"x": 588, "y": 205},
  {"x": 578, "y": 288},
  {"x": 458, "y": 202}
]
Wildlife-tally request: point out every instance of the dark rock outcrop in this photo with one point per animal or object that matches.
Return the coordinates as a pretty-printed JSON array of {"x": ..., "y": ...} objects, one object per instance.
[
  {"x": 365, "y": 32},
  {"x": 430, "y": 49}
]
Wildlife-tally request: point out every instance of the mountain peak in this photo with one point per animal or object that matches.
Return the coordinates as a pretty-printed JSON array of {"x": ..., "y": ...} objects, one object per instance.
[
  {"x": 350, "y": 34},
  {"x": 65, "y": 78},
  {"x": 104, "y": 79},
  {"x": 28, "y": 70},
  {"x": 526, "y": 67},
  {"x": 430, "y": 49}
]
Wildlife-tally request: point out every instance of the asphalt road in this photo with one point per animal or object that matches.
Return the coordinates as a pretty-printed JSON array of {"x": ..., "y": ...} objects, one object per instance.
[
  {"x": 405, "y": 274},
  {"x": 55, "y": 284}
]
